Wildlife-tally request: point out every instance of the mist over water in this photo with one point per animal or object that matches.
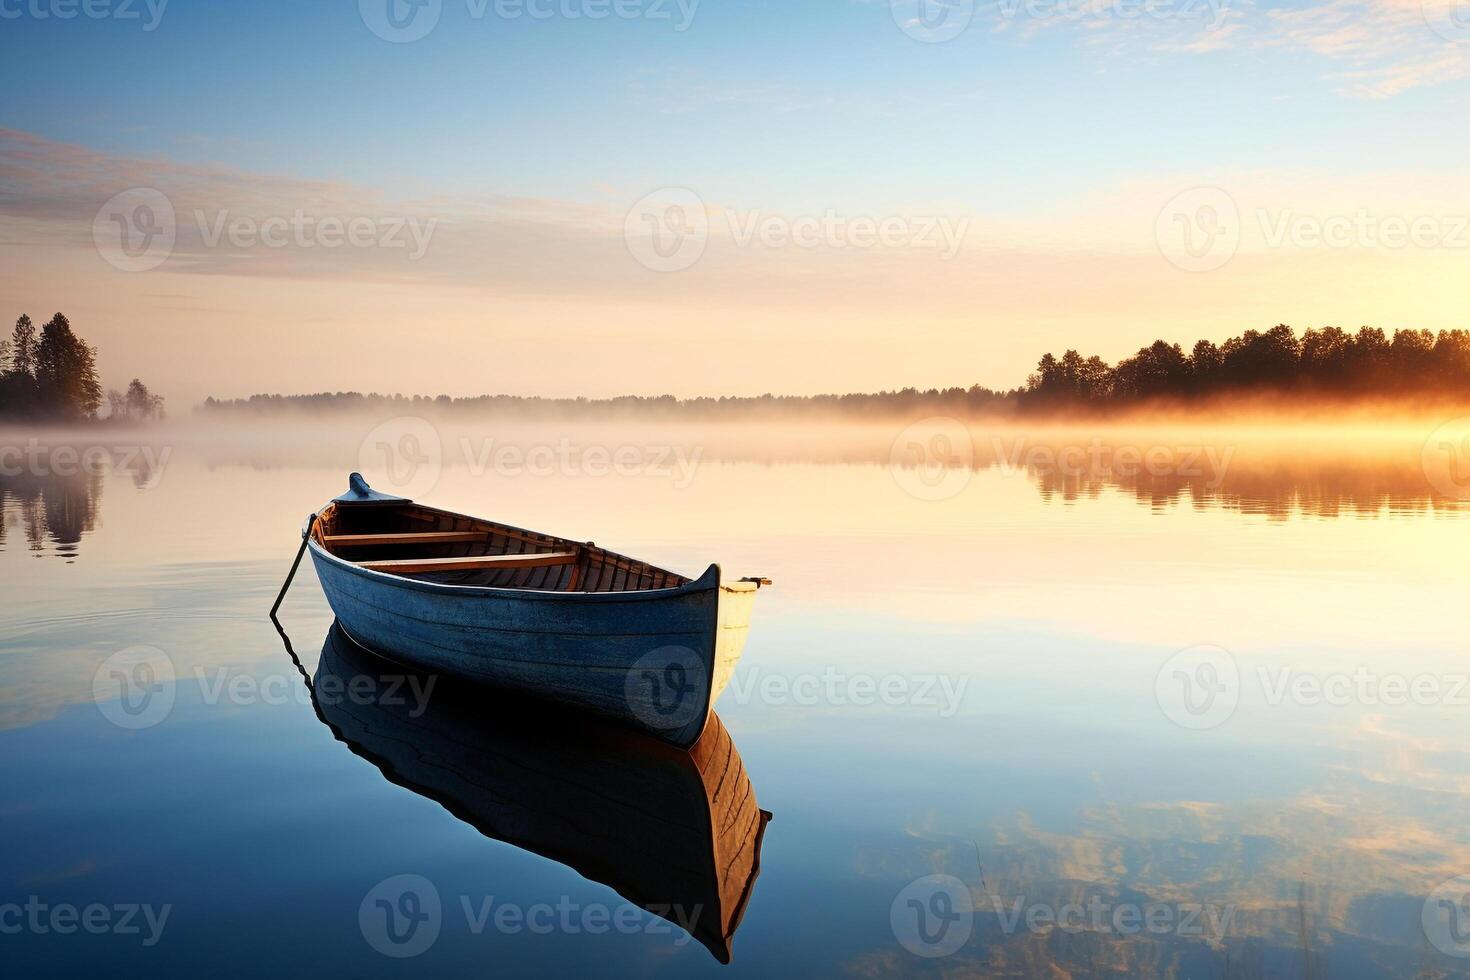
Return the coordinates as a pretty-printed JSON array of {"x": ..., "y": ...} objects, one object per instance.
[
  {"x": 1357, "y": 464},
  {"x": 1047, "y": 608}
]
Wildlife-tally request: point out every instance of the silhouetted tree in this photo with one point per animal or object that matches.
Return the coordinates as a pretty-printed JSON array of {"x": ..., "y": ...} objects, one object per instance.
[
  {"x": 1256, "y": 359},
  {"x": 1325, "y": 355},
  {"x": 23, "y": 346},
  {"x": 1452, "y": 359},
  {"x": 142, "y": 403},
  {"x": 1159, "y": 370},
  {"x": 1411, "y": 355},
  {"x": 1205, "y": 365},
  {"x": 1071, "y": 380},
  {"x": 137, "y": 404},
  {"x": 1325, "y": 361},
  {"x": 66, "y": 373},
  {"x": 18, "y": 395},
  {"x": 1368, "y": 359}
]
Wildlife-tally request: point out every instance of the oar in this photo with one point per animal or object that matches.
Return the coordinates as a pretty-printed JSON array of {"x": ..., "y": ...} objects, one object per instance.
[{"x": 305, "y": 537}]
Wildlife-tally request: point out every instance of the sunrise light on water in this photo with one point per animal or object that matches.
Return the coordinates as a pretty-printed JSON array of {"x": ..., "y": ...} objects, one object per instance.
[{"x": 666, "y": 488}]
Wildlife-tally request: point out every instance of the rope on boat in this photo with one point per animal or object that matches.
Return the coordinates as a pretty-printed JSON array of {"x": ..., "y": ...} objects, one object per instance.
[{"x": 305, "y": 537}]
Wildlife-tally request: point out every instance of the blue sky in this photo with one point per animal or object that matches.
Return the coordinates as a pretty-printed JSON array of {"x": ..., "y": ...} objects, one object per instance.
[
  {"x": 1056, "y": 132},
  {"x": 804, "y": 102}
]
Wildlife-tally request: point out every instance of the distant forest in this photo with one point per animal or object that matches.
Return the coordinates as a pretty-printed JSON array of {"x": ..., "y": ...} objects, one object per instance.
[
  {"x": 1326, "y": 364},
  {"x": 52, "y": 377}
]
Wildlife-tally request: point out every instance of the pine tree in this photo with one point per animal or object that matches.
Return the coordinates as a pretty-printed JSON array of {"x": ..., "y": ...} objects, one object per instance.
[
  {"x": 66, "y": 372},
  {"x": 23, "y": 346}
]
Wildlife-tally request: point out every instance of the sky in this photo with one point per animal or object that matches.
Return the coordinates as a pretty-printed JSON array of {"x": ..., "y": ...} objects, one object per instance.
[{"x": 597, "y": 197}]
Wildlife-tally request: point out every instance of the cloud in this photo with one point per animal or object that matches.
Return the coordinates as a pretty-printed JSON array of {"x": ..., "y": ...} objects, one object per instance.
[
  {"x": 1372, "y": 49},
  {"x": 1390, "y": 46},
  {"x": 553, "y": 281},
  {"x": 230, "y": 222}
]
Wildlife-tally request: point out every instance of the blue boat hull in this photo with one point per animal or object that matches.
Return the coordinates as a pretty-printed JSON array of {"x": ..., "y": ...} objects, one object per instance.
[{"x": 651, "y": 660}]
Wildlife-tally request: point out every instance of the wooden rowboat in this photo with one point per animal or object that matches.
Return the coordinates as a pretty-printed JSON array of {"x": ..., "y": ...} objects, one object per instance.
[
  {"x": 676, "y": 833},
  {"x": 529, "y": 612}
]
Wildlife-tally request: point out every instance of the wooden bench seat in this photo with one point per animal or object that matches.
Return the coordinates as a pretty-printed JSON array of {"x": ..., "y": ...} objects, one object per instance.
[
  {"x": 412, "y": 537},
  {"x": 411, "y": 566}
]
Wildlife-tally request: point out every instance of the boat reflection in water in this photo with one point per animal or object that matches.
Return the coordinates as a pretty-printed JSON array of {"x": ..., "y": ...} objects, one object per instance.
[{"x": 677, "y": 832}]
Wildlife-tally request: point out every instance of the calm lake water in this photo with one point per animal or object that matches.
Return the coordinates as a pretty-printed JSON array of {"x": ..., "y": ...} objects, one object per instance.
[{"x": 1022, "y": 714}]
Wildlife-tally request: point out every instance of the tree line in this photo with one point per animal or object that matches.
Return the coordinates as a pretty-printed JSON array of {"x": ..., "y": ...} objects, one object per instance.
[
  {"x": 1322, "y": 364},
  {"x": 51, "y": 375}
]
